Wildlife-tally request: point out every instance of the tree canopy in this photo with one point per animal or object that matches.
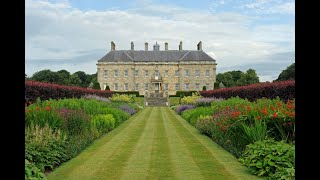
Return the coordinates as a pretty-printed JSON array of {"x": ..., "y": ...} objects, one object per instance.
[
  {"x": 237, "y": 78},
  {"x": 288, "y": 73},
  {"x": 64, "y": 77}
]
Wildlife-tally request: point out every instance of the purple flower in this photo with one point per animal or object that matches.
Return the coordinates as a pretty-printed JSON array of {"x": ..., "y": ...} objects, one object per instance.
[
  {"x": 207, "y": 101},
  {"x": 127, "y": 109},
  {"x": 182, "y": 108}
]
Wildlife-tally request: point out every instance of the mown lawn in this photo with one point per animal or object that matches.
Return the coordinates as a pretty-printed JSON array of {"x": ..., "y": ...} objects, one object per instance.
[{"x": 156, "y": 143}]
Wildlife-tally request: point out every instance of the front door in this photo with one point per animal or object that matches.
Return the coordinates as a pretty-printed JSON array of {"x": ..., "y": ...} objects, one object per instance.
[{"x": 157, "y": 87}]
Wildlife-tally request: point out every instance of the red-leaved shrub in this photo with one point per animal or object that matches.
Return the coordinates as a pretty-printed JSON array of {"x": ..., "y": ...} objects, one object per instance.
[
  {"x": 285, "y": 90},
  {"x": 34, "y": 89}
]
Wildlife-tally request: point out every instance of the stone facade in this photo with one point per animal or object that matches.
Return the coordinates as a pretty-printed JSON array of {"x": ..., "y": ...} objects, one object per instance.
[{"x": 168, "y": 76}]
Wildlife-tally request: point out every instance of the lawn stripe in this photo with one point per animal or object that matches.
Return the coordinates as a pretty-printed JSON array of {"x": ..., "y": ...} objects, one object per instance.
[
  {"x": 227, "y": 162},
  {"x": 100, "y": 152},
  {"x": 138, "y": 165},
  {"x": 161, "y": 165},
  {"x": 184, "y": 165}
]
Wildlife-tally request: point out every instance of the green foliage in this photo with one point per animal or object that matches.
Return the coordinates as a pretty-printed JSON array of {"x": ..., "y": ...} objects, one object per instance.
[
  {"x": 192, "y": 115},
  {"x": 237, "y": 78},
  {"x": 270, "y": 158},
  {"x": 42, "y": 114},
  {"x": 226, "y": 79},
  {"x": 288, "y": 73},
  {"x": 32, "y": 172},
  {"x": 64, "y": 77},
  {"x": 96, "y": 85},
  {"x": 45, "y": 76},
  {"x": 118, "y": 114},
  {"x": 250, "y": 77},
  {"x": 45, "y": 147},
  {"x": 75, "y": 122},
  {"x": 254, "y": 132},
  {"x": 190, "y": 99},
  {"x": 122, "y": 98},
  {"x": 103, "y": 122}
]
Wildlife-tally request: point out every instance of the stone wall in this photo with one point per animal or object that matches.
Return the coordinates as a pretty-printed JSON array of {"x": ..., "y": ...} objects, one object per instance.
[{"x": 171, "y": 79}]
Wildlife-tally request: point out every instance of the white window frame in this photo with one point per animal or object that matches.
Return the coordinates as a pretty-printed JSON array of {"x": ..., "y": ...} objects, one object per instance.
[
  {"x": 146, "y": 73},
  {"x": 166, "y": 73},
  {"x": 166, "y": 87},
  {"x": 126, "y": 87},
  {"x": 136, "y": 73},
  {"x": 146, "y": 86},
  {"x": 136, "y": 87},
  {"x": 116, "y": 86},
  {"x": 126, "y": 73},
  {"x": 105, "y": 73},
  {"x": 116, "y": 73},
  {"x": 187, "y": 72}
]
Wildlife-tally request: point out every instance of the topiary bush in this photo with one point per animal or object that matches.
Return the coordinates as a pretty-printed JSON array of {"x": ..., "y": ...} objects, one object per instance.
[
  {"x": 270, "y": 158},
  {"x": 103, "y": 122}
]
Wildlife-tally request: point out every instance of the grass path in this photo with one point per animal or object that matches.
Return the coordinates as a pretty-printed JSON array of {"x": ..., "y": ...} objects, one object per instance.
[{"x": 155, "y": 143}]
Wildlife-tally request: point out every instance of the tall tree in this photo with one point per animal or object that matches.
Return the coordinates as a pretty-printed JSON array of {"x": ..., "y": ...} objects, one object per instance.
[
  {"x": 250, "y": 77},
  {"x": 85, "y": 79},
  {"x": 63, "y": 77},
  {"x": 288, "y": 73},
  {"x": 45, "y": 76},
  {"x": 226, "y": 79}
]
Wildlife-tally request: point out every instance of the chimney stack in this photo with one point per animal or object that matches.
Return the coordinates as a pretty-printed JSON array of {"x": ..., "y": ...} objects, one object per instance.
[
  {"x": 132, "y": 46},
  {"x": 199, "y": 46},
  {"x": 166, "y": 46},
  {"x": 146, "y": 46},
  {"x": 180, "y": 46},
  {"x": 113, "y": 46}
]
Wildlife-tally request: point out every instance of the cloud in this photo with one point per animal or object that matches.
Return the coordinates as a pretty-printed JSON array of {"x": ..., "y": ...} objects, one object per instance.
[
  {"x": 59, "y": 35},
  {"x": 271, "y": 6}
]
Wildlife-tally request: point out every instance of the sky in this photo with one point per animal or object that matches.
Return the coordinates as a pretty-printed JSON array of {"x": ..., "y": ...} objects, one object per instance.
[{"x": 240, "y": 34}]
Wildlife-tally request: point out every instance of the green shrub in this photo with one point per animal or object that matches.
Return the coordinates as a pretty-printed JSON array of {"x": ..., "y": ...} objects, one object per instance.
[
  {"x": 205, "y": 125},
  {"x": 122, "y": 98},
  {"x": 118, "y": 114},
  {"x": 190, "y": 99},
  {"x": 32, "y": 172},
  {"x": 75, "y": 122},
  {"x": 45, "y": 147},
  {"x": 103, "y": 122},
  {"x": 79, "y": 142},
  {"x": 274, "y": 159},
  {"x": 191, "y": 115},
  {"x": 42, "y": 115}
]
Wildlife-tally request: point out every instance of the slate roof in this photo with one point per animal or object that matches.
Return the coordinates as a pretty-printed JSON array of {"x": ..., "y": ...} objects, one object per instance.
[{"x": 150, "y": 56}]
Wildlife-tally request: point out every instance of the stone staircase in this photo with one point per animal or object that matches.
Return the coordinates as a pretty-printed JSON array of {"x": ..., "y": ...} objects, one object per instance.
[{"x": 156, "y": 101}]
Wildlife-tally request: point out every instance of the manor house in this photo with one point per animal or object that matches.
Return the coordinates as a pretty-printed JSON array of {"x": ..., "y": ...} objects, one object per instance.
[{"x": 156, "y": 71}]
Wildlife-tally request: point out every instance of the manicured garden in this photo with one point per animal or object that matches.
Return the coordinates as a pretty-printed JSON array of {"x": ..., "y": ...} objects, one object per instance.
[
  {"x": 58, "y": 130},
  {"x": 260, "y": 132}
]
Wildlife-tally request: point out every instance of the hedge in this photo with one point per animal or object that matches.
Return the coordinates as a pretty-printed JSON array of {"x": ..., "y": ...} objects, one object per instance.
[
  {"x": 183, "y": 93},
  {"x": 284, "y": 90},
  {"x": 34, "y": 89}
]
